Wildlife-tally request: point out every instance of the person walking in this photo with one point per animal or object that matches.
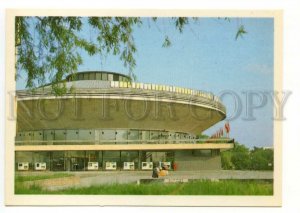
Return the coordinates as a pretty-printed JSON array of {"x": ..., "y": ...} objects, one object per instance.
[{"x": 155, "y": 172}]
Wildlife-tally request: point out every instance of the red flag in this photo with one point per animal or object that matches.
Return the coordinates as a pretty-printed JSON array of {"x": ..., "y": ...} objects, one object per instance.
[{"x": 227, "y": 127}]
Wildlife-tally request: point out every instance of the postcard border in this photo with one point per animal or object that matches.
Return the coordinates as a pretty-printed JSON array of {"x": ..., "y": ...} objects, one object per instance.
[{"x": 118, "y": 200}]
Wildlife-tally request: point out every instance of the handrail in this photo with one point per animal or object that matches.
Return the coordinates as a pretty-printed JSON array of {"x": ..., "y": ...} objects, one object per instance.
[{"x": 111, "y": 142}]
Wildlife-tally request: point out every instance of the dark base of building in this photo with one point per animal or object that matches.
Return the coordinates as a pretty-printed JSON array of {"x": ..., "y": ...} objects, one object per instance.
[{"x": 183, "y": 160}]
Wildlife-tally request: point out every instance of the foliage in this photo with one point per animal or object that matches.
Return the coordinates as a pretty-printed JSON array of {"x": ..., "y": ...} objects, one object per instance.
[
  {"x": 242, "y": 158},
  {"x": 167, "y": 42},
  {"x": 262, "y": 159},
  {"x": 241, "y": 31},
  {"x": 198, "y": 187},
  {"x": 48, "y": 48},
  {"x": 200, "y": 136},
  {"x": 226, "y": 160}
]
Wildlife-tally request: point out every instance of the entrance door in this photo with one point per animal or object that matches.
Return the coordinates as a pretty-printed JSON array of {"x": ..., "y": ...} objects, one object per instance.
[{"x": 77, "y": 163}]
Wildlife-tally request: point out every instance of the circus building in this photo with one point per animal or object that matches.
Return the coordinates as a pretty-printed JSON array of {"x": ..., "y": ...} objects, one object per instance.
[{"x": 105, "y": 121}]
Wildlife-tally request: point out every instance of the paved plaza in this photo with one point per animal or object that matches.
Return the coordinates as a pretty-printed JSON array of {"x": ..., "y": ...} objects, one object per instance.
[{"x": 86, "y": 179}]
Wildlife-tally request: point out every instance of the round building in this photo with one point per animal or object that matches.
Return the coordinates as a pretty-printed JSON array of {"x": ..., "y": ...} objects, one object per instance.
[{"x": 105, "y": 121}]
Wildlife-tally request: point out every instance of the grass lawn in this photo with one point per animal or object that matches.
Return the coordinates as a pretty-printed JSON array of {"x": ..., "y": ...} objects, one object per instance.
[
  {"x": 199, "y": 187},
  {"x": 23, "y": 178}
]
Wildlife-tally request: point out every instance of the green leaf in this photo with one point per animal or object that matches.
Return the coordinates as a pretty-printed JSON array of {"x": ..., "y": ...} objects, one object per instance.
[
  {"x": 241, "y": 31},
  {"x": 167, "y": 42}
]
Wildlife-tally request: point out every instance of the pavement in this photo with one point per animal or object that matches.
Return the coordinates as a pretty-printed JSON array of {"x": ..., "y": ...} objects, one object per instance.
[{"x": 90, "y": 178}]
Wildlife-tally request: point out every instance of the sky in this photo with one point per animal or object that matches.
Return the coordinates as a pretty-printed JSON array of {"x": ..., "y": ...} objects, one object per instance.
[{"x": 206, "y": 56}]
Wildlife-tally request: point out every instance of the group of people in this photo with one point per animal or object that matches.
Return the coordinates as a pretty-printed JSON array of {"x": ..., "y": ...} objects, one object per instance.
[{"x": 159, "y": 172}]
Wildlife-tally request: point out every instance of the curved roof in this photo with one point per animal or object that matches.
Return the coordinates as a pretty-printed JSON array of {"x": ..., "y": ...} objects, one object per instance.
[{"x": 76, "y": 75}]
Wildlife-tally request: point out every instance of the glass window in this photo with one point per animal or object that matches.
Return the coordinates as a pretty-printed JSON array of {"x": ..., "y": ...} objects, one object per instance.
[
  {"x": 182, "y": 136},
  {"x": 93, "y": 157},
  {"x": 116, "y": 77},
  {"x": 154, "y": 135},
  {"x": 86, "y": 76},
  {"x": 98, "y": 76},
  {"x": 19, "y": 136},
  {"x": 86, "y": 135},
  {"x": 171, "y": 135},
  {"x": 133, "y": 135},
  {"x": 107, "y": 135},
  {"x": 23, "y": 157},
  {"x": 34, "y": 159},
  {"x": 109, "y": 158},
  {"x": 163, "y": 135},
  {"x": 72, "y": 134},
  {"x": 129, "y": 160},
  {"x": 146, "y": 157},
  {"x": 92, "y": 76},
  {"x": 129, "y": 156},
  {"x": 144, "y": 135},
  {"x": 41, "y": 157},
  {"x": 206, "y": 153},
  {"x": 104, "y": 77},
  {"x": 37, "y": 135},
  {"x": 110, "y": 77},
  {"x": 48, "y": 135},
  {"x": 58, "y": 162},
  {"x": 76, "y": 160},
  {"x": 121, "y": 135},
  {"x": 80, "y": 76},
  {"x": 27, "y": 136},
  {"x": 60, "y": 134},
  {"x": 111, "y": 154}
]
